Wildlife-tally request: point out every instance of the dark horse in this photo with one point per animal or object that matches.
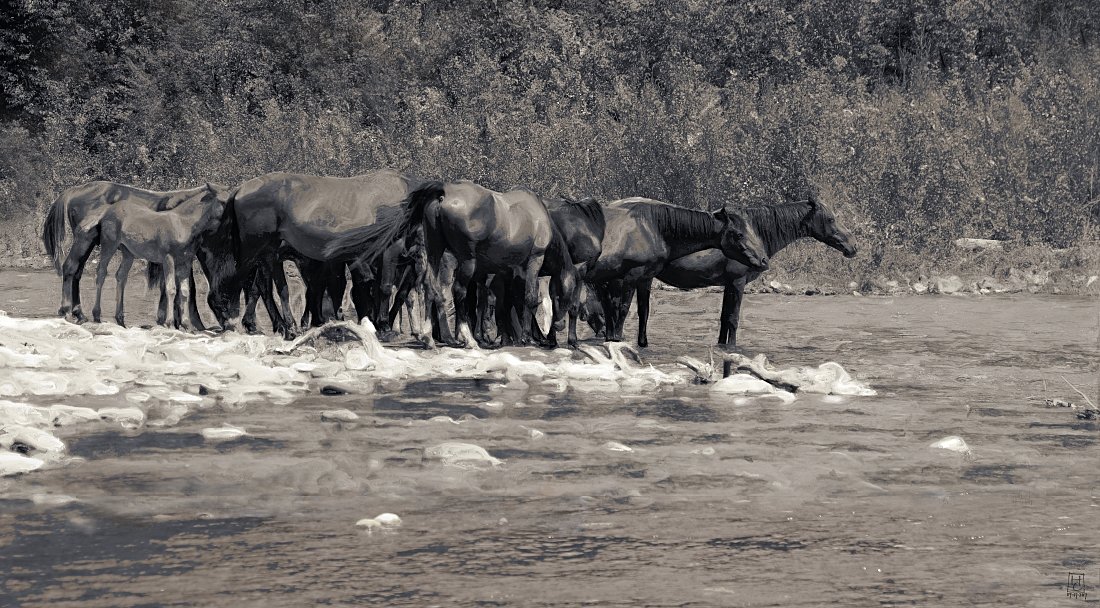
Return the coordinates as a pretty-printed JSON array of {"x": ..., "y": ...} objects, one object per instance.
[
  {"x": 778, "y": 225},
  {"x": 643, "y": 235},
  {"x": 76, "y": 203},
  {"x": 507, "y": 233},
  {"x": 306, "y": 212},
  {"x": 157, "y": 236}
]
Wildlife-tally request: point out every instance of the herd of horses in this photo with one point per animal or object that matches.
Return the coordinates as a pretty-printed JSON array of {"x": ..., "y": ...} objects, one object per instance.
[{"x": 397, "y": 236}]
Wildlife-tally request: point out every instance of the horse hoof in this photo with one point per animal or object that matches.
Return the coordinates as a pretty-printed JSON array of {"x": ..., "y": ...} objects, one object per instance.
[
  {"x": 121, "y": 322},
  {"x": 643, "y": 343}
]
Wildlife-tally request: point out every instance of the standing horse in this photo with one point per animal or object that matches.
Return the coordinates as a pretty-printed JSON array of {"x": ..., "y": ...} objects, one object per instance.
[
  {"x": 582, "y": 225},
  {"x": 643, "y": 235},
  {"x": 76, "y": 203},
  {"x": 156, "y": 236},
  {"x": 306, "y": 212},
  {"x": 508, "y": 233},
  {"x": 778, "y": 225}
]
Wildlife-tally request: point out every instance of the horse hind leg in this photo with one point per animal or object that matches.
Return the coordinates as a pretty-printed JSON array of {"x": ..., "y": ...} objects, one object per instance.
[
  {"x": 180, "y": 272},
  {"x": 643, "y": 312},
  {"x": 121, "y": 276},
  {"x": 71, "y": 272},
  {"x": 193, "y": 303}
]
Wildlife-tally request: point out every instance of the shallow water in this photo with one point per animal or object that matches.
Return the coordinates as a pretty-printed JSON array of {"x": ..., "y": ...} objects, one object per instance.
[{"x": 721, "y": 501}]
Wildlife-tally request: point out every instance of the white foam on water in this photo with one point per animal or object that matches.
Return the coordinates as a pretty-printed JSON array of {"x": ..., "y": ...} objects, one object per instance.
[
  {"x": 12, "y": 463},
  {"x": 161, "y": 375}
]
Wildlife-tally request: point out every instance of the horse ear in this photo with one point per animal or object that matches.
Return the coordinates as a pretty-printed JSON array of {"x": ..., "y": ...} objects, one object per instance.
[{"x": 721, "y": 215}]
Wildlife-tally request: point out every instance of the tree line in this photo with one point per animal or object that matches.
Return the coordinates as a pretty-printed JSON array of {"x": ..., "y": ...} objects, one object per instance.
[{"x": 922, "y": 120}]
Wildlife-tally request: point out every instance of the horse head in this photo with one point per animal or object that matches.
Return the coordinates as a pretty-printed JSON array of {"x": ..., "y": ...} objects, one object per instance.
[
  {"x": 218, "y": 256},
  {"x": 821, "y": 224},
  {"x": 739, "y": 240}
]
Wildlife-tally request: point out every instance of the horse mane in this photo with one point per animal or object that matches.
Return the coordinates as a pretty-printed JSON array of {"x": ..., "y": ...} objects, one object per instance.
[
  {"x": 778, "y": 225},
  {"x": 673, "y": 220},
  {"x": 590, "y": 208}
]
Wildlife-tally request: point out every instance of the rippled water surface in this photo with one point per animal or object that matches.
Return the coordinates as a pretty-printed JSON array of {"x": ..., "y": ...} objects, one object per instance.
[{"x": 721, "y": 502}]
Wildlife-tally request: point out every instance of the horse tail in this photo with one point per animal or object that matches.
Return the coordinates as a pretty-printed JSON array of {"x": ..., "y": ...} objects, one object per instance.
[
  {"x": 53, "y": 229},
  {"x": 370, "y": 241},
  {"x": 153, "y": 274},
  {"x": 92, "y": 220}
]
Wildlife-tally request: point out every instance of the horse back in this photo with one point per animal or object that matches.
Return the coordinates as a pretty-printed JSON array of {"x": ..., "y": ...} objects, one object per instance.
[{"x": 330, "y": 203}]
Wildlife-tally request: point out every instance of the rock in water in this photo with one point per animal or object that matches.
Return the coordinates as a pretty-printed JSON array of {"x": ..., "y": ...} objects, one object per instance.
[
  {"x": 339, "y": 416},
  {"x": 953, "y": 443},
  {"x": 35, "y": 439},
  {"x": 388, "y": 519},
  {"x": 461, "y": 455},
  {"x": 615, "y": 446}
]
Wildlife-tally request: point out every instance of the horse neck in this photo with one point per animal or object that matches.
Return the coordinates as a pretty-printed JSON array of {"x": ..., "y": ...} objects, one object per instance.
[
  {"x": 193, "y": 215},
  {"x": 778, "y": 229}
]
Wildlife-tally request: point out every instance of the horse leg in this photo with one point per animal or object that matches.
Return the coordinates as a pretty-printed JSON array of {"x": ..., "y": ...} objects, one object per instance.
[
  {"x": 180, "y": 273},
  {"x": 277, "y": 274},
  {"x": 107, "y": 248},
  {"x": 193, "y": 304},
  {"x": 121, "y": 275},
  {"x": 162, "y": 302},
  {"x": 336, "y": 284},
  {"x": 624, "y": 308},
  {"x": 361, "y": 279},
  {"x": 251, "y": 298},
  {"x": 72, "y": 270},
  {"x": 531, "y": 292},
  {"x": 644, "y": 289},
  {"x": 464, "y": 274},
  {"x": 731, "y": 312}
]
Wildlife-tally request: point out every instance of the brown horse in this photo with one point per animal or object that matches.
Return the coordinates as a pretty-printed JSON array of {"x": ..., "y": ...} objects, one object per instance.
[
  {"x": 156, "y": 236},
  {"x": 778, "y": 225},
  {"x": 76, "y": 203},
  {"x": 507, "y": 233},
  {"x": 306, "y": 212},
  {"x": 582, "y": 224},
  {"x": 643, "y": 235}
]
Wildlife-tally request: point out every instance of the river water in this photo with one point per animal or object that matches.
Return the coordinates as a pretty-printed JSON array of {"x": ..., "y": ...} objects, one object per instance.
[{"x": 721, "y": 500}]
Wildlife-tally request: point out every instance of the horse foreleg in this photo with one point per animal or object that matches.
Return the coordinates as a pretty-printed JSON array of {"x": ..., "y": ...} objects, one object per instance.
[
  {"x": 121, "y": 275},
  {"x": 644, "y": 289}
]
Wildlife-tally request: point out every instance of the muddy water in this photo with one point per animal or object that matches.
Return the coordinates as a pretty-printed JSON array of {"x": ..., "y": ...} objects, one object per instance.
[{"x": 721, "y": 502}]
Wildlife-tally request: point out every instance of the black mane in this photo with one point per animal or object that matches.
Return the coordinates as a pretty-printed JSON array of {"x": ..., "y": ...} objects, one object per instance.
[
  {"x": 779, "y": 225},
  {"x": 672, "y": 220}
]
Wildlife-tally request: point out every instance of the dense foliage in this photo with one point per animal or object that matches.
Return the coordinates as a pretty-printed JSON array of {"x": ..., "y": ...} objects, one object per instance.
[{"x": 923, "y": 120}]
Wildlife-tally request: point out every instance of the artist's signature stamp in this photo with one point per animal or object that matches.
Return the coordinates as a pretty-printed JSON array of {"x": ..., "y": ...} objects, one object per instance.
[{"x": 1075, "y": 586}]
